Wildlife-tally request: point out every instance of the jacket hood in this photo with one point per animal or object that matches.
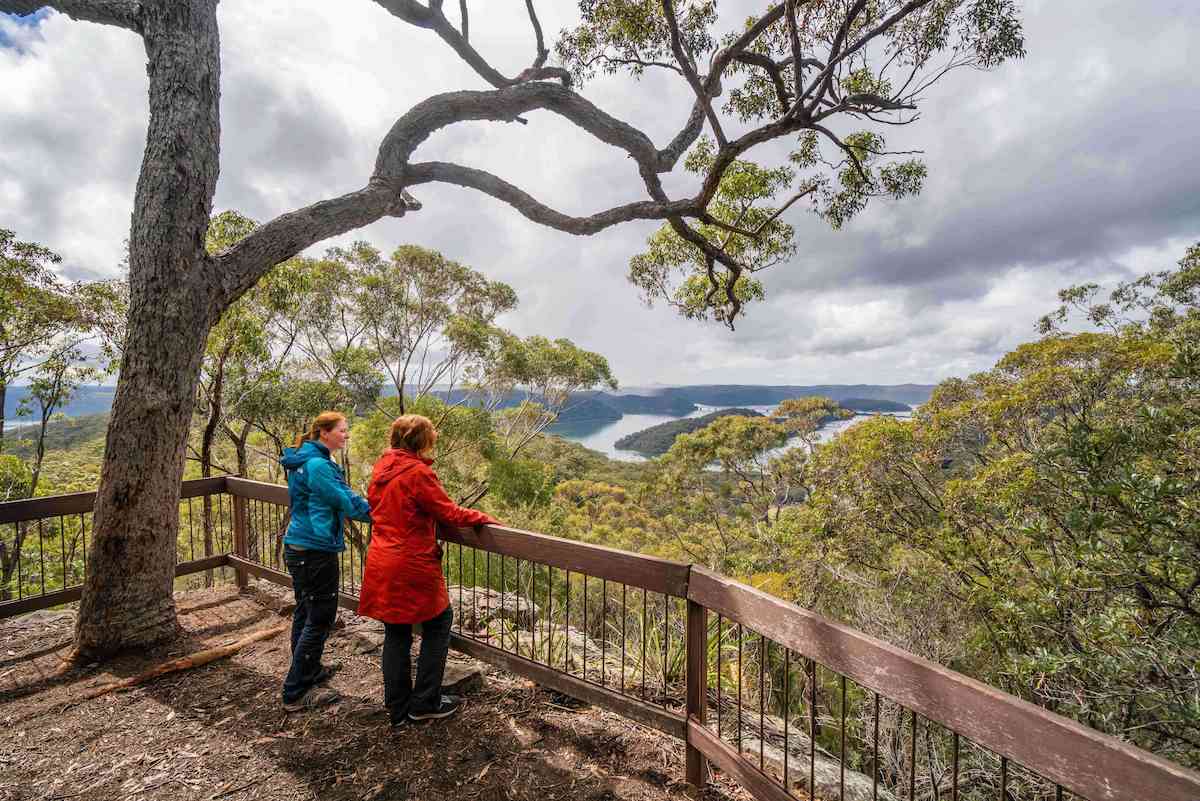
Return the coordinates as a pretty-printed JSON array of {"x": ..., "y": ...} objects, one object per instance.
[
  {"x": 394, "y": 462},
  {"x": 296, "y": 457}
]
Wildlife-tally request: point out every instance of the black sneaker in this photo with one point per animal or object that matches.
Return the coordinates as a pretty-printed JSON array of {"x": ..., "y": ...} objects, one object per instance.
[
  {"x": 448, "y": 706},
  {"x": 325, "y": 673},
  {"x": 312, "y": 699}
]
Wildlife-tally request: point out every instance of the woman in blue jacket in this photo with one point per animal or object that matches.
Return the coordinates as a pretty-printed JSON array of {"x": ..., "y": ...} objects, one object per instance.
[{"x": 320, "y": 499}]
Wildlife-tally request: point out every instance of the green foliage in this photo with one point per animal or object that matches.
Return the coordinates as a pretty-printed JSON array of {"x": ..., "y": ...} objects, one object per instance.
[
  {"x": 679, "y": 272},
  {"x": 658, "y": 439},
  {"x": 16, "y": 482},
  {"x": 631, "y": 35},
  {"x": 1052, "y": 498},
  {"x": 801, "y": 71}
]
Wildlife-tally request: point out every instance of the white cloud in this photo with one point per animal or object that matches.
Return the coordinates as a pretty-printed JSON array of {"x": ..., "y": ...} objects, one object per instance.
[{"x": 1074, "y": 164}]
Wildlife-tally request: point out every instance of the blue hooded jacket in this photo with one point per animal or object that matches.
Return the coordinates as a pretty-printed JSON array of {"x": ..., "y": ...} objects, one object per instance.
[{"x": 320, "y": 499}]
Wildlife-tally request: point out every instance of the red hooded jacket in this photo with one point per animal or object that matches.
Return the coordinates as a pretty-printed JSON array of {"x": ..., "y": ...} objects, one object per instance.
[{"x": 402, "y": 581}]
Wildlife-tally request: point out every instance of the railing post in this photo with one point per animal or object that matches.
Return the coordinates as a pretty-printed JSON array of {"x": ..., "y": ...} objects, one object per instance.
[
  {"x": 697, "y": 688},
  {"x": 239, "y": 537}
]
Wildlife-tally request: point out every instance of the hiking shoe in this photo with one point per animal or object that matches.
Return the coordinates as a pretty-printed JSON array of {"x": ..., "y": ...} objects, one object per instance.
[
  {"x": 325, "y": 673},
  {"x": 448, "y": 706},
  {"x": 311, "y": 700}
]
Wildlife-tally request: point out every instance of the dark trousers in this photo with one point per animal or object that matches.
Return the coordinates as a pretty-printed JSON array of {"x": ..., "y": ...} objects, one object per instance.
[
  {"x": 400, "y": 694},
  {"x": 315, "y": 582}
]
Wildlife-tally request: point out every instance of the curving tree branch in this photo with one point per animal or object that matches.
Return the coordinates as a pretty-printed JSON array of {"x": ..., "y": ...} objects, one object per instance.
[
  {"x": 121, "y": 13},
  {"x": 532, "y": 209},
  {"x": 431, "y": 18},
  {"x": 688, "y": 66}
]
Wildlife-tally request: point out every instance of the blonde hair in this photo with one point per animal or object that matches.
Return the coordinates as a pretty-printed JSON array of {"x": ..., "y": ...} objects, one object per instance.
[
  {"x": 325, "y": 421},
  {"x": 412, "y": 432}
]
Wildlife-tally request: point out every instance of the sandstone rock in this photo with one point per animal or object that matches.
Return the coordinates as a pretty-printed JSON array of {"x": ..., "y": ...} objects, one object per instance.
[
  {"x": 463, "y": 678},
  {"x": 826, "y": 773},
  {"x": 481, "y": 605},
  {"x": 43, "y": 619},
  {"x": 278, "y": 599}
]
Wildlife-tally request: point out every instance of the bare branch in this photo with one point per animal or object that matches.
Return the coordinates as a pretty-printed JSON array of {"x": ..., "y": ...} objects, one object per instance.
[
  {"x": 240, "y": 267},
  {"x": 772, "y": 69},
  {"x": 462, "y": 9},
  {"x": 542, "y": 52},
  {"x": 531, "y": 208},
  {"x": 836, "y": 58},
  {"x": 432, "y": 18},
  {"x": 505, "y": 105},
  {"x": 797, "y": 58},
  {"x": 858, "y": 167},
  {"x": 631, "y": 62},
  {"x": 689, "y": 70},
  {"x": 121, "y": 13},
  {"x": 757, "y": 232},
  {"x": 825, "y": 76}
]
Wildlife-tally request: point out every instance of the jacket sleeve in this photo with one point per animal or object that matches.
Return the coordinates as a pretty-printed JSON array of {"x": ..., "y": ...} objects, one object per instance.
[
  {"x": 434, "y": 501},
  {"x": 326, "y": 485}
]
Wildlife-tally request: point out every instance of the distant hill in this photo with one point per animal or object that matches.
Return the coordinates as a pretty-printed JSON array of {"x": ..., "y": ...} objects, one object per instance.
[
  {"x": 657, "y": 440},
  {"x": 89, "y": 400},
  {"x": 873, "y": 405},
  {"x": 754, "y": 395},
  {"x": 673, "y": 401},
  {"x": 581, "y": 408}
]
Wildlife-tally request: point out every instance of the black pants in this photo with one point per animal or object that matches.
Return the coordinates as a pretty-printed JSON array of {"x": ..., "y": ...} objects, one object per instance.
[
  {"x": 315, "y": 582},
  {"x": 400, "y": 694}
]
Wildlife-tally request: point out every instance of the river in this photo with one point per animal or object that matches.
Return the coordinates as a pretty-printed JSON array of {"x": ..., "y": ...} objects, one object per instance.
[{"x": 602, "y": 436}]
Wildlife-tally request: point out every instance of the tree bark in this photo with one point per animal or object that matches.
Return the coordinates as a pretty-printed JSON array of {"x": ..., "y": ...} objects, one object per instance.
[{"x": 127, "y": 595}]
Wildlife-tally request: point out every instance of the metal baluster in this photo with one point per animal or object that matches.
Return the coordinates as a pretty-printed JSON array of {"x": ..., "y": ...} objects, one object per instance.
[
  {"x": 812, "y": 723},
  {"x": 62, "y": 550},
  {"x": 624, "y": 617},
  {"x": 739, "y": 693},
  {"x": 191, "y": 531},
  {"x": 875, "y": 755},
  {"x": 762, "y": 688},
  {"x": 585, "y": 626},
  {"x": 603, "y": 632},
  {"x": 912, "y": 760},
  {"x": 954, "y": 791},
  {"x": 567, "y": 628},
  {"x": 842, "y": 752},
  {"x": 644, "y": 643},
  {"x": 42, "y": 556},
  {"x": 787, "y": 670},
  {"x": 720, "y": 648},
  {"x": 666, "y": 645}
]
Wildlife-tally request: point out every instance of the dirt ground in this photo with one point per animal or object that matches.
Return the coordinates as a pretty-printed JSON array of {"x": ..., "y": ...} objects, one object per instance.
[{"x": 219, "y": 732}]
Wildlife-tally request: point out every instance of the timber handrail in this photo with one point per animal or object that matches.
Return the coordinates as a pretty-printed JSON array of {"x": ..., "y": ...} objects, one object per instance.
[
  {"x": 1092, "y": 765},
  {"x": 1083, "y": 760}
]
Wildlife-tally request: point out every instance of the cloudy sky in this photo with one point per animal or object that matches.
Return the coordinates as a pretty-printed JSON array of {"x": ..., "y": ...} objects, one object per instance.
[{"x": 1078, "y": 163}]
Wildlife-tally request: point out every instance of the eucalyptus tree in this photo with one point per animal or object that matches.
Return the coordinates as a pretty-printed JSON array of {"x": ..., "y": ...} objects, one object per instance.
[
  {"x": 794, "y": 73},
  {"x": 37, "y": 313}
]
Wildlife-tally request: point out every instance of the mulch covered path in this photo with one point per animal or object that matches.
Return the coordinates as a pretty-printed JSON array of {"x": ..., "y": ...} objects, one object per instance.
[{"x": 218, "y": 731}]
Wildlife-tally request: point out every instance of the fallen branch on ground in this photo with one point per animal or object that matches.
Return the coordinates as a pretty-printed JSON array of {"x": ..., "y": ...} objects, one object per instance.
[{"x": 184, "y": 662}]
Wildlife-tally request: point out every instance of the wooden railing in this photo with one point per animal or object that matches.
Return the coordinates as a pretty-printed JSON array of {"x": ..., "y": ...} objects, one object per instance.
[{"x": 779, "y": 698}]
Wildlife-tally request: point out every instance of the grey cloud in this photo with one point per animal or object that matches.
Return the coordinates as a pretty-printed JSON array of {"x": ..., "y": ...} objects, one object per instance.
[{"x": 1043, "y": 173}]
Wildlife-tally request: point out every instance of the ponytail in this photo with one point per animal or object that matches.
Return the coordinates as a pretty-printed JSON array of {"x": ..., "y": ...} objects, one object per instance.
[{"x": 325, "y": 421}]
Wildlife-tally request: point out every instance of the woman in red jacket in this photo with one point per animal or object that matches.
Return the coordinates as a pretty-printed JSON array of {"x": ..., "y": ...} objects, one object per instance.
[{"x": 402, "y": 582}]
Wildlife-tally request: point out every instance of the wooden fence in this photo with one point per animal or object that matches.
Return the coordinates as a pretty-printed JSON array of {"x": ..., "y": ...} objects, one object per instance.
[{"x": 781, "y": 699}]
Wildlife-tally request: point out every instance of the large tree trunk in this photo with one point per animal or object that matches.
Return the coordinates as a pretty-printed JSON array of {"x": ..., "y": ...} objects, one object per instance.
[{"x": 127, "y": 595}]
